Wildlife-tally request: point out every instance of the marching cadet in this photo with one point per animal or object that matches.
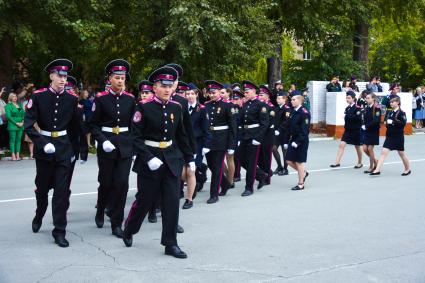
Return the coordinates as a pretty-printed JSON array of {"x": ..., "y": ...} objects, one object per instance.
[
  {"x": 395, "y": 121},
  {"x": 299, "y": 126},
  {"x": 145, "y": 90},
  {"x": 254, "y": 122},
  {"x": 372, "y": 123},
  {"x": 283, "y": 112},
  {"x": 353, "y": 123},
  {"x": 78, "y": 138},
  {"x": 110, "y": 125},
  {"x": 223, "y": 136},
  {"x": 265, "y": 160},
  {"x": 202, "y": 135},
  {"x": 237, "y": 106},
  {"x": 55, "y": 111},
  {"x": 162, "y": 147}
]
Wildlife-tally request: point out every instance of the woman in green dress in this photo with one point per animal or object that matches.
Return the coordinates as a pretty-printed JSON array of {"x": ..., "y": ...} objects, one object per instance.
[{"x": 15, "y": 116}]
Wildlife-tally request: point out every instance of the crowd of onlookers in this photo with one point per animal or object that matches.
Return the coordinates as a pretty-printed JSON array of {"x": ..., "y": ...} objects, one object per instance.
[{"x": 418, "y": 106}]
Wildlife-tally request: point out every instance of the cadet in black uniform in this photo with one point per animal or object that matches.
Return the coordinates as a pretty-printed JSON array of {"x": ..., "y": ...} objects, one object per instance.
[
  {"x": 265, "y": 160},
  {"x": 255, "y": 121},
  {"x": 395, "y": 120},
  {"x": 110, "y": 125},
  {"x": 202, "y": 135},
  {"x": 352, "y": 126},
  {"x": 283, "y": 111},
  {"x": 299, "y": 127},
  {"x": 162, "y": 148},
  {"x": 237, "y": 100},
  {"x": 145, "y": 90},
  {"x": 79, "y": 141},
  {"x": 222, "y": 127},
  {"x": 56, "y": 112},
  {"x": 372, "y": 123}
]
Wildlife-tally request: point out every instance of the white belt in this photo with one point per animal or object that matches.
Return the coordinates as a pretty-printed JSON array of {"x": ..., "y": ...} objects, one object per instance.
[
  {"x": 161, "y": 144},
  {"x": 53, "y": 134},
  {"x": 115, "y": 130},
  {"x": 219, "y": 128},
  {"x": 272, "y": 127},
  {"x": 251, "y": 126}
]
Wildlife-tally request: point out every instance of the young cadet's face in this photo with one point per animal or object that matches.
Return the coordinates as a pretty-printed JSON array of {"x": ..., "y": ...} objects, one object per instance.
[
  {"x": 296, "y": 101},
  {"x": 369, "y": 99},
  {"x": 163, "y": 92},
  {"x": 250, "y": 93},
  {"x": 146, "y": 95},
  {"x": 191, "y": 96},
  {"x": 58, "y": 81},
  {"x": 224, "y": 93},
  {"x": 117, "y": 82},
  {"x": 214, "y": 94},
  {"x": 263, "y": 97},
  {"x": 280, "y": 100},
  {"x": 349, "y": 99}
]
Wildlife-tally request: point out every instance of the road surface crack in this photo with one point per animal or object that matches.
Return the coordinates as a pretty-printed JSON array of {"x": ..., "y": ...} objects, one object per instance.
[{"x": 100, "y": 249}]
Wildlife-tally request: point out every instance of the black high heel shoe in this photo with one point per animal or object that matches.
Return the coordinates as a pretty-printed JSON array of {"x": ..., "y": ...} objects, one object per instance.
[
  {"x": 407, "y": 173},
  {"x": 375, "y": 173}
]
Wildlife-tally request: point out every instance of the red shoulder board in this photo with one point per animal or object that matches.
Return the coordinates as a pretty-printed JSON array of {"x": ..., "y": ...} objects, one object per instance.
[
  {"x": 40, "y": 90},
  {"x": 99, "y": 94},
  {"x": 127, "y": 93},
  {"x": 226, "y": 100},
  {"x": 208, "y": 101},
  {"x": 71, "y": 92},
  {"x": 175, "y": 102},
  {"x": 143, "y": 101},
  {"x": 201, "y": 106},
  {"x": 287, "y": 107},
  {"x": 305, "y": 110},
  {"x": 270, "y": 104}
]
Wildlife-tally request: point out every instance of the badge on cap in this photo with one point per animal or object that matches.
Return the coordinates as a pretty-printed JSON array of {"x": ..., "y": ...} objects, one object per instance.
[{"x": 137, "y": 117}]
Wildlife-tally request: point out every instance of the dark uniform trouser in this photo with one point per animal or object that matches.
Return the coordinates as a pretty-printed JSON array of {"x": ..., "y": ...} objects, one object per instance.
[
  {"x": 71, "y": 172},
  {"x": 237, "y": 162},
  {"x": 161, "y": 185},
  {"x": 53, "y": 174},
  {"x": 113, "y": 188},
  {"x": 215, "y": 160},
  {"x": 249, "y": 155},
  {"x": 265, "y": 160}
]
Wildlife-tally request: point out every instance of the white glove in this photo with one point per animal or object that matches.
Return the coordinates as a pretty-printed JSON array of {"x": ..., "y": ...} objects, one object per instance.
[
  {"x": 192, "y": 166},
  {"x": 205, "y": 150},
  {"x": 154, "y": 163},
  {"x": 72, "y": 158},
  {"x": 285, "y": 146},
  {"x": 194, "y": 156},
  {"x": 254, "y": 142},
  {"x": 276, "y": 133},
  {"x": 294, "y": 145},
  {"x": 390, "y": 121},
  {"x": 108, "y": 146},
  {"x": 83, "y": 161},
  {"x": 363, "y": 127},
  {"x": 49, "y": 148},
  {"x": 230, "y": 151}
]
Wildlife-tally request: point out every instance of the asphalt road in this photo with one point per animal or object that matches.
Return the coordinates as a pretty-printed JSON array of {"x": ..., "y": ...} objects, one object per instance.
[{"x": 344, "y": 227}]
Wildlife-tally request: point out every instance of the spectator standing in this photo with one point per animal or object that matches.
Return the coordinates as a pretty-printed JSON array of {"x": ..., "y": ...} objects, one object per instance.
[
  {"x": 15, "y": 115},
  {"x": 346, "y": 86},
  {"x": 418, "y": 108},
  {"x": 334, "y": 85},
  {"x": 3, "y": 120},
  {"x": 87, "y": 113},
  {"x": 372, "y": 85},
  {"x": 353, "y": 84},
  {"x": 306, "y": 102}
]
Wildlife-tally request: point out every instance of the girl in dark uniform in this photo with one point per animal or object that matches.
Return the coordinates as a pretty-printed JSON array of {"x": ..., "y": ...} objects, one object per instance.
[
  {"x": 353, "y": 123},
  {"x": 372, "y": 122},
  {"x": 299, "y": 126},
  {"x": 395, "y": 120}
]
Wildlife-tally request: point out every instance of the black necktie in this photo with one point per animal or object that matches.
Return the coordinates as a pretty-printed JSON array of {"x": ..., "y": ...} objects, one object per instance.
[{"x": 191, "y": 108}]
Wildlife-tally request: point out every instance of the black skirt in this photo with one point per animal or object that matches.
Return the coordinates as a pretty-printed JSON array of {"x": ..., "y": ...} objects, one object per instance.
[
  {"x": 371, "y": 137},
  {"x": 351, "y": 137},
  {"x": 394, "y": 143},
  {"x": 298, "y": 154}
]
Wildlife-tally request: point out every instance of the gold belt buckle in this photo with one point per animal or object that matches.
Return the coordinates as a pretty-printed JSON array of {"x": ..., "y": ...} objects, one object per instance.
[
  {"x": 163, "y": 144},
  {"x": 55, "y": 134},
  {"x": 116, "y": 130}
]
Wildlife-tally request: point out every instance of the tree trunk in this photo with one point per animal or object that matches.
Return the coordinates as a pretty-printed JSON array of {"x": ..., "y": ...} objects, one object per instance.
[
  {"x": 361, "y": 45},
  {"x": 6, "y": 59},
  {"x": 274, "y": 66}
]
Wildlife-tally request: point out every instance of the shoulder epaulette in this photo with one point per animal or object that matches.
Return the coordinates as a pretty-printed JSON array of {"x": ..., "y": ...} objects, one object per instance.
[
  {"x": 40, "y": 90},
  {"x": 146, "y": 100},
  {"x": 201, "y": 106},
  {"x": 305, "y": 110},
  {"x": 71, "y": 92},
  {"x": 102, "y": 93},
  {"x": 209, "y": 101},
  {"x": 175, "y": 102}
]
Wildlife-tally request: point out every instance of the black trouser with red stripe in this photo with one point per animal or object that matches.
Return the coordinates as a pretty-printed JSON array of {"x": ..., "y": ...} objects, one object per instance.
[
  {"x": 265, "y": 160},
  {"x": 249, "y": 155},
  {"x": 53, "y": 174},
  {"x": 113, "y": 189},
  {"x": 215, "y": 160},
  {"x": 162, "y": 185}
]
